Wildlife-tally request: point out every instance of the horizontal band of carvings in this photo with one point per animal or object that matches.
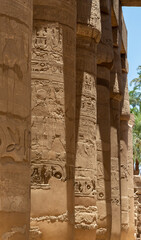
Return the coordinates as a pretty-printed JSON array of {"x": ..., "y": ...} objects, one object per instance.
[
  {"x": 43, "y": 172},
  {"x": 86, "y": 217},
  {"x": 59, "y": 218},
  {"x": 88, "y": 31}
]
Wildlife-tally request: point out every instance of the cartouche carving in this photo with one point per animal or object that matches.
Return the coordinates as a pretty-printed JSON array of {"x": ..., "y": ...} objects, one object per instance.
[{"x": 42, "y": 173}]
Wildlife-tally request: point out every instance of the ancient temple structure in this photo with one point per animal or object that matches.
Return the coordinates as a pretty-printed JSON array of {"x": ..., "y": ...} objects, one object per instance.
[{"x": 66, "y": 157}]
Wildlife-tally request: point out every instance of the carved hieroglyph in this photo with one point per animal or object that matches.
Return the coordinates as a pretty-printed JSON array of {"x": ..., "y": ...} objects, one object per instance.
[
  {"x": 15, "y": 38},
  {"x": 53, "y": 110}
]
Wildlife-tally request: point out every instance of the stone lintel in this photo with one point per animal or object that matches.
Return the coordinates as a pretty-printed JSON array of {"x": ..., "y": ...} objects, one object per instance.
[
  {"x": 131, "y": 3},
  {"x": 124, "y": 36}
]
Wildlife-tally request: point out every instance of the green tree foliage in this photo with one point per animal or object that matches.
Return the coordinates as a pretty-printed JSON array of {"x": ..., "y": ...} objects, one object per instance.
[{"x": 135, "y": 104}]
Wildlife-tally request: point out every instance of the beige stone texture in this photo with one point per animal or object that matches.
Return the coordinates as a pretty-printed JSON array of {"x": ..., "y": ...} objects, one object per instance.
[
  {"x": 53, "y": 114},
  {"x": 15, "y": 85}
]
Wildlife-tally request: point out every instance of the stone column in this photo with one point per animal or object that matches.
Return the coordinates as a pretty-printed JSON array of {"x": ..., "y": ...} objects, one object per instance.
[
  {"x": 53, "y": 124},
  {"x": 131, "y": 179},
  {"x": 115, "y": 94},
  {"x": 88, "y": 34},
  {"x": 105, "y": 61},
  {"x": 115, "y": 90},
  {"x": 115, "y": 171},
  {"x": 15, "y": 47},
  {"x": 124, "y": 118}
]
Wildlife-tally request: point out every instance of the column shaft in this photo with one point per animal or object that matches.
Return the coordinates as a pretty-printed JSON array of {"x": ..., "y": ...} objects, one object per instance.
[
  {"x": 88, "y": 34},
  {"x": 53, "y": 119},
  {"x": 105, "y": 62},
  {"x": 15, "y": 85}
]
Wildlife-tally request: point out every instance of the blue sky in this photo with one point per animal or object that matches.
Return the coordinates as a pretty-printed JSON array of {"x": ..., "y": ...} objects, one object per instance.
[{"x": 132, "y": 16}]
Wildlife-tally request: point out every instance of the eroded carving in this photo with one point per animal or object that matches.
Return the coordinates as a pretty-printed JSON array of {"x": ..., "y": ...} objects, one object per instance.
[
  {"x": 14, "y": 140},
  {"x": 85, "y": 187},
  {"x": 86, "y": 217},
  {"x": 47, "y": 48},
  {"x": 42, "y": 173},
  {"x": 84, "y": 183}
]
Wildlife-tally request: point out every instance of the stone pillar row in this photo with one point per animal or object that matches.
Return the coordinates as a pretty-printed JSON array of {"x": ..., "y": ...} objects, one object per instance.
[{"x": 81, "y": 129}]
